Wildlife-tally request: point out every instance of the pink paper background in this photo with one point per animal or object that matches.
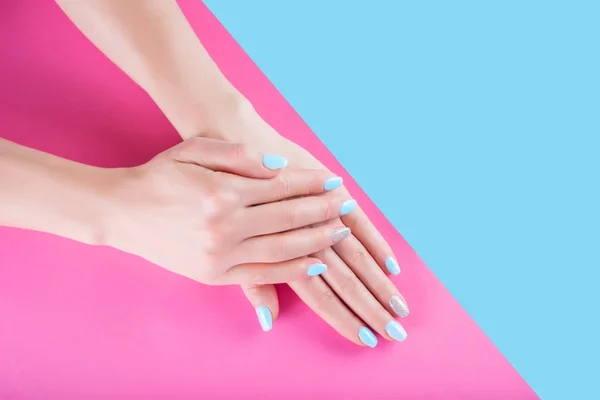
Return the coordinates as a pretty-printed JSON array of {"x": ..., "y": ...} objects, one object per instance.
[{"x": 81, "y": 322}]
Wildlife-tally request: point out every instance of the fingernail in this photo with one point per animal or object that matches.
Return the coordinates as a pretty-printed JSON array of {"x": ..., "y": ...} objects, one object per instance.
[
  {"x": 316, "y": 269},
  {"x": 392, "y": 265},
  {"x": 396, "y": 331},
  {"x": 274, "y": 162},
  {"x": 367, "y": 337},
  {"x": 265, "y": 318},
  {"x": 347, "y": 207},
  {"x": 340, "y": 234},
  {"x": 399, "y": 306},
  {"x": 333, "y": 183}
]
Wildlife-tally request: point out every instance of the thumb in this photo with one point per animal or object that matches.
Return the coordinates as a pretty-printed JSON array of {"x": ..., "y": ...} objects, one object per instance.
[
  {"x": 236, "y": 158},
  {"x": 266, "y": 303}
]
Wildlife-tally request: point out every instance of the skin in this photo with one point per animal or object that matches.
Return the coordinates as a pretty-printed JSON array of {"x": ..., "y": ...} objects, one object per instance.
[
  {"x": 152, "y": 42},
  {"x": 227, "y": 227}
]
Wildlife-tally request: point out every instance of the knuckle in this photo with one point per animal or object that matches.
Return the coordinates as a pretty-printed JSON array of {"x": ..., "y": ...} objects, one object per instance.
[
  {"x": 211, "y": 208},
  {"x": 189, "y": 146},
  {"x": 252, "y": 291},
  {"x": 258, "y": 278},
  {"x": 215, "y": 235},
  {"x": 326, "y": 296},
  {"x": 349, "y": 283},
  {"x": 328, "y": 210},
  {"x": 284, "y": 185},
  {"x": 358, "y": 256},
  {"x": 240, "y": 151},
  {"x": 228, "y": 198},
  {"x": 315, "y": 185},
  {"x": 220, "y": 199},
  {"x": 278, "y": 251},
  {"x": 290, "y": 216}
]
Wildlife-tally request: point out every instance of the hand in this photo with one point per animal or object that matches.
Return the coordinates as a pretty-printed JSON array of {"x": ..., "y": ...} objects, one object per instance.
[
  {"x": 210, "y": 210},
  {"x": 354, "y": 292}
]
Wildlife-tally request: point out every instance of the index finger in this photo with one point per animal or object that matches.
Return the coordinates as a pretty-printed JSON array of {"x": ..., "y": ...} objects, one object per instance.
[{"x": 287, "y": 184}]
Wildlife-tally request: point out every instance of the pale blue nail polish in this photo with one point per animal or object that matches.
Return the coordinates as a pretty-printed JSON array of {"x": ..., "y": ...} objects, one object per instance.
[
  {"x": 347, "y": 207},
  {"x": 333, "y": 183},
  {"x": 396, "y": 331},
  {"x": 392, "y": 265},
  {"x": 367, "y": 337},
  {"x": 316, "y": 269},
  {"x": 265, "y": 318},
  {"x": 274, "y": 162}
]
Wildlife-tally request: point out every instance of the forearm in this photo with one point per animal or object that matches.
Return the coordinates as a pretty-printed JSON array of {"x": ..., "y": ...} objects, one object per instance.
[
  {"x": 152, "y": 42},
  {"x": 49, "y": 194}
]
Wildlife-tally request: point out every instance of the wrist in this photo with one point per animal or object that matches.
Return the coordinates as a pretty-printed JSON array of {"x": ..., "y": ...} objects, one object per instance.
[
  {"x": 195, "y": 106},
  {"x": 77, "y": 205}
]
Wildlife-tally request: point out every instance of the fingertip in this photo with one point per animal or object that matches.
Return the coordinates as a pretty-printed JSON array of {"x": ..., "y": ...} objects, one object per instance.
[
  {"x": 333, "y": 183},
  {"x": 392, "y": 266},
  {"x": 367, "y": 337},
  {"x": 316, "y": 269},
  {"x": 266, "y": 304},
  {"x": 265, "y": 318},
  {"x": 273, "y": 162}
]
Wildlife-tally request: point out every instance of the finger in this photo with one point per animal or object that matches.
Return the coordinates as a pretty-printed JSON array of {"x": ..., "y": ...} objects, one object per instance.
[
  {"x": 360, "y": 261},
  {"x": 287, "y": 184},
  {"x": 265, "y": 302},
  {"x": 291, "y": 214},
  {"x": 359, "y": 299},
  {"x": 326, "y": 304},
  {"x": 235, "y": 158},
  {"x": 289, "y": 245},
  {"x": 364, "y": 230},
  {"x": 264, "y": 273}
]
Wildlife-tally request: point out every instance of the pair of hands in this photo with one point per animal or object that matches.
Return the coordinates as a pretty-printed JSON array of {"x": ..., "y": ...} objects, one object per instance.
[
  {"x": 210, "y": 210},
  {"x": 221, "y": 212}
]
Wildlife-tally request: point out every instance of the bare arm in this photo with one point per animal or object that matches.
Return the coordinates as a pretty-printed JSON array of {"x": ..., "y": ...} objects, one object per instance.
[
  {"x": 152, "y": 42},
  {"x": 46, "y": 193}
]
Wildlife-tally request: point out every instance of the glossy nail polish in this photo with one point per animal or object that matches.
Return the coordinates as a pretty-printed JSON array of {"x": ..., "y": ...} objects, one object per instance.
[
  {"x": 340, "y": 234},
  {"x": 347, "y": 207},
  {"x": 264, "y": 318},
  {"x": 274, "y": 162},
  {"x": 392, "y": 265},
  {"x": 399, "y": 306},
  {"x": 316, "y": 269},
  {"x": 333, "y": 183},
  {"x": 396, "y": 331},
  {"x": 367, "y": 337}
]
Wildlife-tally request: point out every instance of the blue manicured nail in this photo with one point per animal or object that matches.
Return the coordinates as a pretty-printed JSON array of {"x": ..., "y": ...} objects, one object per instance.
[
  {"x": 265, "y": 318},
  {"x": 274, "y": 162},
  {"x": 396, "y": 331},
  {"x": 347, "y": 207},
  {"x": 367, "y": 337},
  {"x": 316, "y": 269},
  {"x": 333, "y": 183},
  {"x": 392, "y": 265}
]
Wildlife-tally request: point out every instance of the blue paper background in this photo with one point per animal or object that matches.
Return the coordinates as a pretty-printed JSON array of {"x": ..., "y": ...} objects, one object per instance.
[{"x": 488, "y": 114}]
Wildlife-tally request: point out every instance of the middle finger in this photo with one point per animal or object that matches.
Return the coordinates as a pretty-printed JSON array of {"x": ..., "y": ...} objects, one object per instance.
[
  {"x": 286, "y": 215},
  {"x": 356, "y": 256},
  {"x": 358, "y": 298}
]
